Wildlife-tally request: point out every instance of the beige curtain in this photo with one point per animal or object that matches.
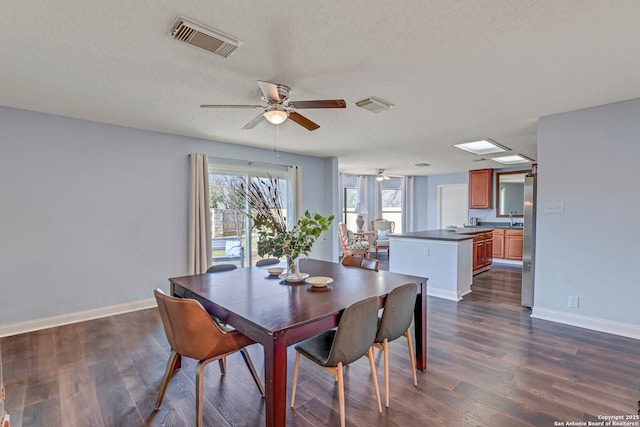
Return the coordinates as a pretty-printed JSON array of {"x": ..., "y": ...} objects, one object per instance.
[
  {"x": 199, "y": 215},
  {"x": 294, "y": 199}
]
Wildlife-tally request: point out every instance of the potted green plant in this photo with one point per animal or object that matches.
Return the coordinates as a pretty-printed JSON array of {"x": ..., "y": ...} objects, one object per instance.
[{"x": 263, "y": 197}]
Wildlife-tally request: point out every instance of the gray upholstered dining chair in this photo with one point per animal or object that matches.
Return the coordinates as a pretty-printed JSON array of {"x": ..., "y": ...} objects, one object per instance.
[
  {"x": 394, "y": 323},
  {"x": 267, "y": 261},
  {"x": 192, "y": 333},
  {"x": 355, "y": 261},
  {"x": 216, "y": 268},
  {"x": 352, "y": 339}
]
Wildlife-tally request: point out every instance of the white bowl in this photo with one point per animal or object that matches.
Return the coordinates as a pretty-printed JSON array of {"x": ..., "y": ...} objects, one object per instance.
[
  {"x": 275, "y": 271},
  {"x": 319, "y": 281}
]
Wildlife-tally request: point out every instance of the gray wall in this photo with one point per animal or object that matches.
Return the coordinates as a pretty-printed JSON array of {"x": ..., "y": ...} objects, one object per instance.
[
  {"x": 94, "y": 215},
  {"x": 588, "y": 160}
]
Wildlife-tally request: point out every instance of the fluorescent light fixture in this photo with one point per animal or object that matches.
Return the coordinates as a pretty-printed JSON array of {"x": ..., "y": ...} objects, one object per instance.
[
  {"x": 276, "y": 115},
  {"x": 485, "y": 146},
  {"x": 513, "y": 159}
]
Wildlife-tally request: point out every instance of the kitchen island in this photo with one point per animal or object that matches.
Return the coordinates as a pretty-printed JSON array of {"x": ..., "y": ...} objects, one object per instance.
[{"x": 444, "y": 256}]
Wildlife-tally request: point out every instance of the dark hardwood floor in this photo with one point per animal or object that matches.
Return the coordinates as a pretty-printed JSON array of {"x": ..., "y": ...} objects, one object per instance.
[{"x": 489, "y": 364}]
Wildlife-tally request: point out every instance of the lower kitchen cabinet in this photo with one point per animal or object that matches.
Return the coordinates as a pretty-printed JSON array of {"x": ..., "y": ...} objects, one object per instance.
[
  {"x": 507, "y": 244},
  {"x": 482, "y": 251},
  {"x": 513, "y": 244},
  {"x": 497, "y": 238}
]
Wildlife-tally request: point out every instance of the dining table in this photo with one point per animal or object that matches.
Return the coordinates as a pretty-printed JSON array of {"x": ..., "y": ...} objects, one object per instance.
[{"x": 276, "y": 313}]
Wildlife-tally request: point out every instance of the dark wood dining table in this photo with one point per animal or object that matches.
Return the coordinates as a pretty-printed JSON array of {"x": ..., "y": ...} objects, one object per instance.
[{"x": 278, "y": 314}]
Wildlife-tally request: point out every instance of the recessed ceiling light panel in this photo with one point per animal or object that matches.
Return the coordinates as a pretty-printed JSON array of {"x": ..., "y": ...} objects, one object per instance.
[
  {"x": 485, "y": 146},
  {"x": 513, "y": 159}
]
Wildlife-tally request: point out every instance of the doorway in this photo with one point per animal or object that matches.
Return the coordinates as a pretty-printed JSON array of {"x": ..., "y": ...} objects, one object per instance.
[{"x": 453, "y": 205}]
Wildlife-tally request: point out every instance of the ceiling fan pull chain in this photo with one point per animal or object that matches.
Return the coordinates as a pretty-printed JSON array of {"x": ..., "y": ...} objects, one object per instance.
[{"x": 275, "y": 140}]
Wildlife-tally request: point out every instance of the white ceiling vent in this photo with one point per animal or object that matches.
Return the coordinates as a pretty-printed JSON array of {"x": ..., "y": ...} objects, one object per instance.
[
  {"x": 373, "y": 104},
  {"x": 190, "y": 32}
]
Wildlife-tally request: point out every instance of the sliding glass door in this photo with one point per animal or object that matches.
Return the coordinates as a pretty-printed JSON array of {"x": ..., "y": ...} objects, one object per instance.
[{"x": 232, "y": 240}]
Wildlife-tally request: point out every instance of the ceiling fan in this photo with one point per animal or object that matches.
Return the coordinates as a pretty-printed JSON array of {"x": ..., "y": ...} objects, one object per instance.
[
  {"x": 380, "y": 176},
  {"x": 279, "y": 107}
]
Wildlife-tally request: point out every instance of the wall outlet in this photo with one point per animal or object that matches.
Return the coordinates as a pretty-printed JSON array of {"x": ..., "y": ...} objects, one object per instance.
[
  {"x": 574, "y": 302},
  {"x": 426, "y": 252}
]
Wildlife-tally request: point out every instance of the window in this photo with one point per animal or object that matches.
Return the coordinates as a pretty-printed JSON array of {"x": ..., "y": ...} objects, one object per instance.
[
  {"x": 392, "y": 206},
  {"x": 349, "y": 197},
  {"x": 232, "y": 240}
]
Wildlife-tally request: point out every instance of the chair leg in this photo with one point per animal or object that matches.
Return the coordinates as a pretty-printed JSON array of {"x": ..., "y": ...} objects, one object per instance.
[
  {"x": 295, "y": 378},
  {"x": 385, "y": 350},
  {"x": 223, "y": 365},
  {"x": 173, "y": 358},
  {"x": 341, "y": 393},
  {"x": 249, "y": 363},
  {"x": 374, "y": 375},
  {"x": 199, "y": 387},
  {"x": 411, "y": 357}
]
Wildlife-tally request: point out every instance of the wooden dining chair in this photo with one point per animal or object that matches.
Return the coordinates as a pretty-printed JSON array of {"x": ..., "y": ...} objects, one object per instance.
[
  {"x": 216, "y": 268},
  {"x": 394, "y": 323},
  {"x": 367, "y": 263},
  {"x": 267, "y": 261},
  {"x": 351, "y": 244},
  {"x": 352, "y": 339},
  {"x": 192, "y": 333}
]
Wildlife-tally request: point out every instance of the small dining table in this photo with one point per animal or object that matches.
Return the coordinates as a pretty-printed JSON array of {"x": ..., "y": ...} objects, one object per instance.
[{"x": 277, "y": 314}]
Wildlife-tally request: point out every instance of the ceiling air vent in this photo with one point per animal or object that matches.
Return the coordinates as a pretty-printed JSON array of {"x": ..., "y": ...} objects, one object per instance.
[
  {"x": 189, "y": 32},
  {"x": 373, "y": 104}
]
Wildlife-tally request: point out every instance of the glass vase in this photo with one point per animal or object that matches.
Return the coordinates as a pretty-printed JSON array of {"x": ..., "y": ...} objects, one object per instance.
[{"x": 293, "y": 269}]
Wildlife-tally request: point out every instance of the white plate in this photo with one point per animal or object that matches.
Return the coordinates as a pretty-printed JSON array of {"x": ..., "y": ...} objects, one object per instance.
[
  {"x": 319, "y": 281},
  {"x": 299, "y": 279}
]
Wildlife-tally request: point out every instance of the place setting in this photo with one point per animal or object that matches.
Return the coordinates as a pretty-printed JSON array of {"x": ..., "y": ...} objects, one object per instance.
[{"x": 319, "y": 283}]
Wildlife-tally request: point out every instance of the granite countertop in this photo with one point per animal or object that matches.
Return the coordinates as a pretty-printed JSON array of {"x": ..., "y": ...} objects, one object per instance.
[{"x": 459, "y": 234}]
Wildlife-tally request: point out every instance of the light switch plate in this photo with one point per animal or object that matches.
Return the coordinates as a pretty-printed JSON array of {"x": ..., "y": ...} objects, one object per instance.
[{"x": 554, "y": 207}]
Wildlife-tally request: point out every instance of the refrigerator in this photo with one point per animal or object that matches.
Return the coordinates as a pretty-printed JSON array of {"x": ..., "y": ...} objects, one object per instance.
[
  {"x": 4, "y": 417},
  {"x": 529, "y": 240}
]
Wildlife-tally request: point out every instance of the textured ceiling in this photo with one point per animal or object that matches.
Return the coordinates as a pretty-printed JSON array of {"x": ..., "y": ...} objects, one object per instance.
[{"x": 456, "y": 71}]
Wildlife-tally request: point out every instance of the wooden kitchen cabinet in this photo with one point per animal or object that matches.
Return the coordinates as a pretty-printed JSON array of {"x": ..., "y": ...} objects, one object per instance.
[
  {"x": 497, "y": 238},
  {"x": 513, "y": 244},
  {"x": 480, "y": 188},
  {"x": 482, "y": 251}
]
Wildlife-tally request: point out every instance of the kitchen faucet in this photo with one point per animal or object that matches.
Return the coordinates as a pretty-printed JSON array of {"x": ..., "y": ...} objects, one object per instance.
[{"x": 511, "y": 217}]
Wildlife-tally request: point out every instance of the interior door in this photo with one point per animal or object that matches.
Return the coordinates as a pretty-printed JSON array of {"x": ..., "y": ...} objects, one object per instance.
[{"x": 453, "y": 205}]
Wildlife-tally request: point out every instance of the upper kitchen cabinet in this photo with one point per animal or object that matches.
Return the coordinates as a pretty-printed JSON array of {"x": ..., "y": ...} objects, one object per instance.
[{"x": 480, "y": 187}]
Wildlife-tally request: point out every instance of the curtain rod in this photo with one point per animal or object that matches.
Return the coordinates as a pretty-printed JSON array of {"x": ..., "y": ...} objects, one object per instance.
[{"x": 248, "y": 162}]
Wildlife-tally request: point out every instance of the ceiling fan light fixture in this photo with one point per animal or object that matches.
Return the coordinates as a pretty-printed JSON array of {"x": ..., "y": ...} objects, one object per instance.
[
  {"x": 276, "y": 115},
  {"x": 379, "y": 177}
]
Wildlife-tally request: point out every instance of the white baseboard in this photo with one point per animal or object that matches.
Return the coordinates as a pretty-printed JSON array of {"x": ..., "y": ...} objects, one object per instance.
[
  {"x": 442, "y": 293},
  {"x": 593, "y": 323},
  {"x": 79, "y": 316}
]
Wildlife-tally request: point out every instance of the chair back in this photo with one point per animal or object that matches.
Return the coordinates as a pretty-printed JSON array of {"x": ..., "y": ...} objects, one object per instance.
[
  {"x": 370, "y": 264},
  {"x": 398, "y": 312},
  {"x": 343, "y": 234},
  {"x": 382, "y": 224},
  {"x": 352, "y": 261},
  {"x": 356, "y": 332},
  {"x": 190, "y": 330},
  {"x": 267, "y": 261},
  {"x": 357, "y": 261},
  {"x": 216, "y": 268}
]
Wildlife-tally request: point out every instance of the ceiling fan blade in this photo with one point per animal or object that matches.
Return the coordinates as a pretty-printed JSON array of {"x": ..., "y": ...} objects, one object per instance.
[
  {"x": 269, "y": 90},
  {"x": 253, "y": 123},
  {"x": 321, "y": 103},
  {"x": 230, "y": 106},
  {"x": 303, "y": 121}
]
